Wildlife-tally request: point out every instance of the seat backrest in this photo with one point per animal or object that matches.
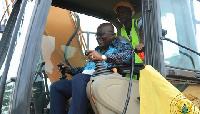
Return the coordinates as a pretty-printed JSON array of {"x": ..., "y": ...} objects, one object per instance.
[{"x": 108, "y": 93}]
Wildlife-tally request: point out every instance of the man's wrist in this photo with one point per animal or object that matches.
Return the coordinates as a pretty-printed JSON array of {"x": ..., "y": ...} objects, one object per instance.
[{"x": 104, "y": 58}]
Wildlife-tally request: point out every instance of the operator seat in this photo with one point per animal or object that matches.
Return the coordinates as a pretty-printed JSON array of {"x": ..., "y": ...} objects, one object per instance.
[{"x": 107, "y": 93}]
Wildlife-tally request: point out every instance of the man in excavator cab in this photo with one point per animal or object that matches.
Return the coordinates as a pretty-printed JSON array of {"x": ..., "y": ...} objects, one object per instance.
[
  {"x": 110, "y": 51},
  {"x": 131, "y": 29}
]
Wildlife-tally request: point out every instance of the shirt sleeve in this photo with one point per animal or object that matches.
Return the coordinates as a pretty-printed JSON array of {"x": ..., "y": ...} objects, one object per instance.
[
  {"x": 122, "y": 53},
  {"x": 76, "y": 70}
]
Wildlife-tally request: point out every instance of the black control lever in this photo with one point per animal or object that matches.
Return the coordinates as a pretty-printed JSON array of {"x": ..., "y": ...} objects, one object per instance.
[{"x": 62, "y": 76}]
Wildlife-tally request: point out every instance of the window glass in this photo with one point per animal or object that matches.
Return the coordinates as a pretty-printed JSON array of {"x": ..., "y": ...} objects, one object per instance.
[{"x": 181, "y": 19}]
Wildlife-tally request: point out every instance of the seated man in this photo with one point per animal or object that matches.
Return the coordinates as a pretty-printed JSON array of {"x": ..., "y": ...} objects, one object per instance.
[{"x": 109, "y": 51}]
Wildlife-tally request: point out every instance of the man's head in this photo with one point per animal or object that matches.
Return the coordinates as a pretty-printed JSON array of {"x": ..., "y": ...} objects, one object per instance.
[
  {"x": 124, "y": 11},
  {"x": 105, "y": 35}
]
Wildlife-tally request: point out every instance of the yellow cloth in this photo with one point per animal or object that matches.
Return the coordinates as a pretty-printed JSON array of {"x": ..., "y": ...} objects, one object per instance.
[{"x": 158, "y": 96}]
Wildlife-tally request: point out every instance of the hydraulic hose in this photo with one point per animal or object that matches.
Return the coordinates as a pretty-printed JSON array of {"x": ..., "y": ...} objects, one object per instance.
[
  {"x": 130, "y": 84},
  {"x": 69, "y": 41}
]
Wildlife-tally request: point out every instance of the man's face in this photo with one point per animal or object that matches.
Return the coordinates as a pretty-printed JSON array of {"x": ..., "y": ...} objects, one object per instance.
[
  {"x": 104, "y": 36},
  {"x": 123, "y": 14}
]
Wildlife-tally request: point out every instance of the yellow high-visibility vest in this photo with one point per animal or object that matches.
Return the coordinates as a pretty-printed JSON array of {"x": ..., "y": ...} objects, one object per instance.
[{"x": 134, "y": 38}]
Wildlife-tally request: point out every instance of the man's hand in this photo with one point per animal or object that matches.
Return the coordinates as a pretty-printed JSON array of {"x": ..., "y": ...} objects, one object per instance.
[
  {"x": 66, "y": 67},
  {"x": 139, "y": 48},
  {"x": 94, "y": 55}
]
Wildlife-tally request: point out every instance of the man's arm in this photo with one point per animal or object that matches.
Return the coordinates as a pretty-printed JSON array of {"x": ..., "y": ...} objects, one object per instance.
[
  {"x": 140, "y": 47},
  {"x": 141, "y": 38},
  {"x": 122, "y": 54}
]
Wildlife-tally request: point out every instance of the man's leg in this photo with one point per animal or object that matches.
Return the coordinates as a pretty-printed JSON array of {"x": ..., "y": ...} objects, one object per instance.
[
  {"x": 60, "y": 92},
  {"x": 79, "y": 101}
]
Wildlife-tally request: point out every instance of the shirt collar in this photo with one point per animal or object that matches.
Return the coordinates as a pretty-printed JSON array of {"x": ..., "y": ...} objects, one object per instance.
[{"x": 111, "y": 46}]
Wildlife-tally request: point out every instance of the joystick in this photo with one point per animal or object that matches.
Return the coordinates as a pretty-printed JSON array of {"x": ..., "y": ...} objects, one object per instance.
[{"x": 62, "y": 76}]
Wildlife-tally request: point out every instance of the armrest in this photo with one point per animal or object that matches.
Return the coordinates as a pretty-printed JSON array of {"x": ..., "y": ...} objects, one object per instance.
[{"x": 126, "y": 69}]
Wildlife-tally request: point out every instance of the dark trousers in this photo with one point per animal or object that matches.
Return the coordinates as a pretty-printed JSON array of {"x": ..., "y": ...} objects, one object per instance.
[{"x": 62, "y": 90}]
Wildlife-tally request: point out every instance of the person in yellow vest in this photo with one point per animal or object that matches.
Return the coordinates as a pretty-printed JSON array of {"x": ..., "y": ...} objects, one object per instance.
[{"x": 131, "y": 29}]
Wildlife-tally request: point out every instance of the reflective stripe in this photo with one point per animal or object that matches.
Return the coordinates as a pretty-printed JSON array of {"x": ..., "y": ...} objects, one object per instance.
[
  {"x": 134, "y": 76},
  {"x": 139, "y": 22}
]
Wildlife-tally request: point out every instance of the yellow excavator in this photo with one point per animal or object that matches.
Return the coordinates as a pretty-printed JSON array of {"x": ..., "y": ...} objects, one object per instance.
[{"x": 39, "y": 34}]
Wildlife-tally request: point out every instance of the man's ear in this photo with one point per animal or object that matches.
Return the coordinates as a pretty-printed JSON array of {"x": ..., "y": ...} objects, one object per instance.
[
  {"x": 133, "y": 13},
  {"x": 113, "y": 35}
]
